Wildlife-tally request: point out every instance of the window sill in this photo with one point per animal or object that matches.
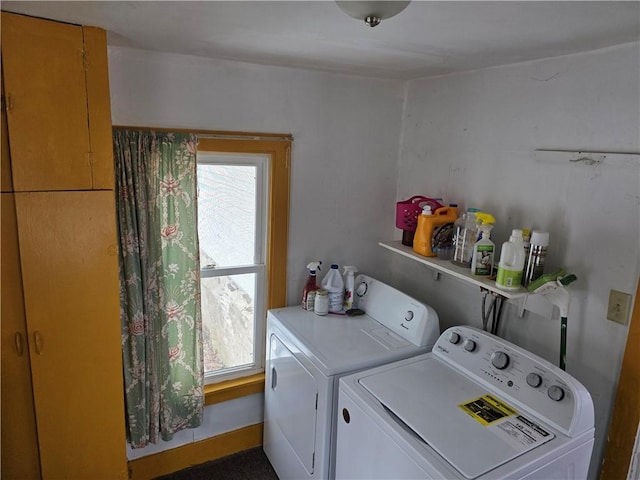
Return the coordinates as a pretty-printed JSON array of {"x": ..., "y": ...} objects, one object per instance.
[{"x": 236, "y": 388}]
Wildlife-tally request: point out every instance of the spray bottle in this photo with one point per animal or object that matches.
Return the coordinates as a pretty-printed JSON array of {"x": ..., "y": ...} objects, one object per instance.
[
  {"x": 310, "y": 287},
  {"x": 349, "y": 281},
  {"x": 482, "y": 259}
]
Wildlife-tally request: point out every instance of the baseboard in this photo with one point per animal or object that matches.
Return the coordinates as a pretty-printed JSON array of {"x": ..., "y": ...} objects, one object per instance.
[{"x": 169, "y": 461}]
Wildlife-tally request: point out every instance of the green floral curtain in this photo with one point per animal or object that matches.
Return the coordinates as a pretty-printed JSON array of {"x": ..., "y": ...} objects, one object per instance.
[{"x": 159, "y": 283}]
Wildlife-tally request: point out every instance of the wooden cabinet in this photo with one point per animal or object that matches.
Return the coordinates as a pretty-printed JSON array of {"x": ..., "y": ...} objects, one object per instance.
[
  {"x": 69, "y": 265},
  {"x": 57, "y": 103},
  {"x": 62, "y": 388}
]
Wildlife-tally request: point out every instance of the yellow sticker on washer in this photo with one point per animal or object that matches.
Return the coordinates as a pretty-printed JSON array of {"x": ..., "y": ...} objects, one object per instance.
[{"x": 487, "y": 409}]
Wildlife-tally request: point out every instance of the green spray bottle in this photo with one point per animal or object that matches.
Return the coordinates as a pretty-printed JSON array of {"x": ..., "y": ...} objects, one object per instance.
[{"x": 483, "y": 249}]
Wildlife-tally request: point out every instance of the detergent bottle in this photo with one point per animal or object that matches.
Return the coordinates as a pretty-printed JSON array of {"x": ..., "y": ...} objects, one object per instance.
[
  {"x": 511, "y": 263},
  {"x": 428, "y": 223},
  {"x": 310, "y": 287},
  {"x": 482, "y": 260},
  {"x": 334, "y": 284},
  {"x": 349, "y": 281}
]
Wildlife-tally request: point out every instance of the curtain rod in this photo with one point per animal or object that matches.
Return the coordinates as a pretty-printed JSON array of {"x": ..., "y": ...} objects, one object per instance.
[
  {"x": 244, "y": 137},
  {"x": 215, "y": 134}
]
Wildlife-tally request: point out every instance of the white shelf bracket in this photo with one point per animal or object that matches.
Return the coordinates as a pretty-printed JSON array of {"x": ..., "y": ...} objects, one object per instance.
[{"x": 520, "y": 303}]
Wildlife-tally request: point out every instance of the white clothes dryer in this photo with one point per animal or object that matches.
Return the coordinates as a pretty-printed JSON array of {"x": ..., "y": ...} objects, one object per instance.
[
  {"x": 306, "y": 356},
  {"x": 476, "y": 407}
]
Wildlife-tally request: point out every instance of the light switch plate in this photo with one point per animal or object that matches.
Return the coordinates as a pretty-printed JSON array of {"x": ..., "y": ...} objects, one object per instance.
[{"x": 619, "y": 305}]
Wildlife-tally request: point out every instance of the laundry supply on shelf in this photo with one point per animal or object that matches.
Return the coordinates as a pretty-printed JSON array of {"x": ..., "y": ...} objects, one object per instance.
[
  {"x": 465, "y": 235},
  {"x": 428, "y": 228},
  {"x": 536, "y": 257},
  {"x": 407, "y": 212},
  {"x": 482, "y": 259},
  {"x": 511, "y": 263}
]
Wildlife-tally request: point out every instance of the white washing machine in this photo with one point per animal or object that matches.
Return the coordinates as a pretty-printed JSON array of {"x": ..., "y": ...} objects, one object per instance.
[
  {"x": 306, "y": 356},
  {"x": 476, "y": 407}
]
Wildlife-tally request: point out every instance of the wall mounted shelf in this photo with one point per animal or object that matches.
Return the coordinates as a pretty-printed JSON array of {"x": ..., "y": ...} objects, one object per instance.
[
  {"x": 448, "y": 268},
  {"x": 521, "y": 298}
]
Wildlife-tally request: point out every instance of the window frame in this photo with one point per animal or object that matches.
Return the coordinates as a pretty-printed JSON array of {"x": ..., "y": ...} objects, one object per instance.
[
  {"x": 278, "y": 150},
  {"x": 258, "y": 267}
]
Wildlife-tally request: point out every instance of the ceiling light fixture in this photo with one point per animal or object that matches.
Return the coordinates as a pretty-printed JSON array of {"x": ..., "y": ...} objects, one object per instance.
[{"x": 372, "y": 12}]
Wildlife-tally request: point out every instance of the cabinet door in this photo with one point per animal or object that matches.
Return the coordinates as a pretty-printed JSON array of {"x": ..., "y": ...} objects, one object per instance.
[
  {"x": 46, "y": 100},
  {"x": 99, "y": 108},
  {"x": 19, "y": 442},
  {"x": 5, "y": 166},
  {"x": 70, "y": 276}
]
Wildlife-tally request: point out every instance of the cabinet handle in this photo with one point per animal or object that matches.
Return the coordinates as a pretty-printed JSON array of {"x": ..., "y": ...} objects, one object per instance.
[
  {"x": 37, "y": 338},
  {"x": 274, "y": 378},
  {"x": 19, "y": 346},
  {"x": 7, "y": 103}
]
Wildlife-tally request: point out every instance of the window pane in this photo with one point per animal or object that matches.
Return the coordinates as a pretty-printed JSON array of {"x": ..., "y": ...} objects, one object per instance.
[
  {"x": 226, "y": 214},
  {"x": 228, "y": 321}
]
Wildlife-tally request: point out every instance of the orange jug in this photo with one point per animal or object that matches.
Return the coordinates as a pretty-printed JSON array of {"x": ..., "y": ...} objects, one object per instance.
[{"x": 427, "y": 222}]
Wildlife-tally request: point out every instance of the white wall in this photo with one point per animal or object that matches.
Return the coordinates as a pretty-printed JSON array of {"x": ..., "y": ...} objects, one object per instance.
[
  {"x": 469, "y": 138},
  {"x": 218, "y": 418},
  {"x": 346, "y": 139},
  {"x": 344, "y": 163}
]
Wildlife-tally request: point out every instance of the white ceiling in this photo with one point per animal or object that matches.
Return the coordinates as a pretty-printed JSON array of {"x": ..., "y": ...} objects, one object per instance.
[{"x": 428, "y": 38}]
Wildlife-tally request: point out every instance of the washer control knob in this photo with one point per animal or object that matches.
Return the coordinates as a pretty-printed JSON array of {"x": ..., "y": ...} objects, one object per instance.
[
  {"x": 555, "y": 393},
  {"x": 408, "y": 316},
  {"x": 534, "y": 380},
  {"x": 454, "y": 337},
  {"x": 500, "y": 360},
  {"x": 469, "y": 345}
]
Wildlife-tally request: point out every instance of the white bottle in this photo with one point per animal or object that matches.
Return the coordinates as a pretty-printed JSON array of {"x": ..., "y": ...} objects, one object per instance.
[
  {"x": 349, "y": 281},
  {"x": 334, "y": 284},
  {"x": 511, "y": 264}
]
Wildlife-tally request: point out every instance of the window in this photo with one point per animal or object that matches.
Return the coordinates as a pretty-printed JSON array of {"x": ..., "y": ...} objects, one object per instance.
[{"x": 243, "y": 187}]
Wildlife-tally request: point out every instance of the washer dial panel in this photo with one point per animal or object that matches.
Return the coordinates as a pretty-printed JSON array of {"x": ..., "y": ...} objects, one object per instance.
[{"x": 518, "y": 374}]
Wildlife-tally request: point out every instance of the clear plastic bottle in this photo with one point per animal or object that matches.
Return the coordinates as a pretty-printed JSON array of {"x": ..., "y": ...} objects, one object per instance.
[
  {"x": 465, "y": 235},
  {"x": 511, "y": 264},
  {"x": 334, "y": 284}
]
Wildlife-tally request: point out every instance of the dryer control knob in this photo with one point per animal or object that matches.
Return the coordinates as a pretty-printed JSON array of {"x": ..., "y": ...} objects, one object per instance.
[
  {"x": 362, "y": 289},
  {"x": 408, "y": 316},
  {"x": 454, "y": 337},
  {"x": 534, "y": 380},
  {"x": 555, "y": 393},
  {"x": 500, "y": 360},
  {"x": 469, "y": 345}
]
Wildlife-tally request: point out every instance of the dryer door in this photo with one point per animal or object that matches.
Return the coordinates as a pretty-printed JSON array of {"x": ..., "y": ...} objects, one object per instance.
[{"x": 292, "y": 396}]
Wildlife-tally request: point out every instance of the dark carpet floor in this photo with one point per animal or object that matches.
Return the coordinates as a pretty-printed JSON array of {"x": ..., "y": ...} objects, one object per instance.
[{"x": 248, "y": 465}]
